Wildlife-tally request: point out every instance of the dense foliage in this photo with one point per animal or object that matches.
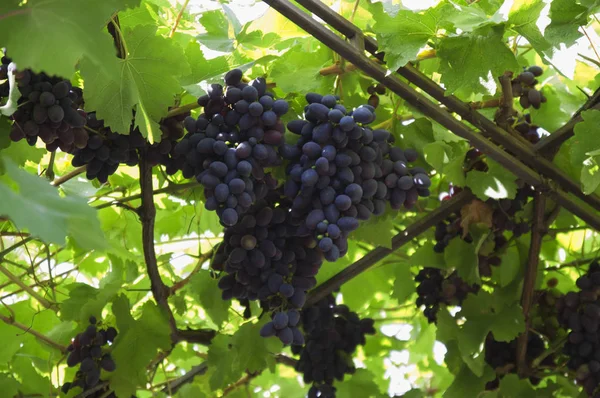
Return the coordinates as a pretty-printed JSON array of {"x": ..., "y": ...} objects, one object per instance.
[{"x": 197, "y": 199}]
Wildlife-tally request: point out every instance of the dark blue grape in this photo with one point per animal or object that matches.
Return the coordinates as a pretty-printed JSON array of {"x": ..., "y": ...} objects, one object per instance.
[
  {"x": 268, "y": 330},
  {"x": 229, "y": 217},
  {"x": 280, "y": 320},
  {"x": 286, "y": 290}
]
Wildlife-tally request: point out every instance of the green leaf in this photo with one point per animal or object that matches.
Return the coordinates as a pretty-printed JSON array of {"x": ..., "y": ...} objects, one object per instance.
[
  {"x": 134, "y": 350},
  {"x": 360, "y": 384},
  {"x": 205, "y": 288},
  {"x": 294, "y": 72},
  {"x": 467, "y": 384},
  {"x": 586, "y": 138},
  {"x": 377, "y": 231},
  {"x": 201, "y": 69},
  {"x": 461, "y": 58},
  {"x": 425, "y": 256},
  {"x": 462, "y": 256},
  {"x": 513, "y": 387},
  {"x": 590, "y": 175},
  {"x": 8, "y": 385},
  {"x": 404, "y": 283},
  {"x": 147, "y": 79},
  {"x": 524, "y": 16},
  {"x": 37, "y": 30},
  {"x": 496, "y": 183},
  {"x": 36, "y": 205},
  {"x": 566, "y": 17},
  {"x": 402, "y": 36},
  {"x": 217, "y": 31}
]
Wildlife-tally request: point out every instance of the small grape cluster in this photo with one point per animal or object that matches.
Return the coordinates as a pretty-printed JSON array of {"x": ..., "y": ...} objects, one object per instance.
[
  {"x": 341, "y": 171},
  {"x": 228, "y": 147},
  {"x": 333, "y": 333},
  {"x": 545, "y": 319},
  {"x": 523, "y": 86},
  {"x": 579, "y": 312},
  {"x": 87, "y": 352},
  {"x": 375, "y": 90},
  {"x": 106, "y": 150},
  {"x": 502, "y": 357},
  {"x": 527, "y": 129},
  {"x": 49, "y": 108},
  {"x": 285, "y": 326},
  {"x": 434, "y": 289}
]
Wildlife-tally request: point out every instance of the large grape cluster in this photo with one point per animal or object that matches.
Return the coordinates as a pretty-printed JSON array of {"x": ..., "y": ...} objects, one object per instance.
[
  {"x": 332, "y": 334},
  {"x": 265, "y": 260},
  {"x": 341, "y": 171},
  {"x": 49, "y": 108},
  {"x": 86, "y": 350},
  {"x": 579, "y": 312},
  {"x": 228, "y": 147},
  {"x": 434, "y": 289}
]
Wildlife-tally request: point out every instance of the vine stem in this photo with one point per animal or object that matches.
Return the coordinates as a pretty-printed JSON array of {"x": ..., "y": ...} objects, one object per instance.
[
  {"x": 37, "y": 335},
  {"x": 537, "y": 234},
  {"x": 182, "y": 109},
  {"x": 179, "y": 16},
  {"x": 168, "y": 189},
  {"x": 50, "y": 169},
  {"x": 92, "y": 390},
  {"x": 14, "y": 279},
  {"x": 69, "y": 176},
  {"x": 117, "y": 27},
  {"x": 182, "y": 283},
  {"x": 147, "y": 214}
]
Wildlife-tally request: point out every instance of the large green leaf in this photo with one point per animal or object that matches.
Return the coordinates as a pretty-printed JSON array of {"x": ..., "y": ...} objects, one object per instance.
[
  {"x": 461, "y": 59},
  {"x": 53, "y": 35},
  {"x": 147, "y": 79},
  {"x": 35, "y": 205}
]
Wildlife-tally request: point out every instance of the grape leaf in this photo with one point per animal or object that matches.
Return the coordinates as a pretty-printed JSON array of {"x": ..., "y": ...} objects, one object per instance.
[
  {"x": 524, "y": 15},
  {"x": 360, "y": 384},
  {"x": 36, "y": 30},
  {"x": 36, "y": 205},
  {"x": 461, "y": 256},
  {"x": 377, "y": 231},
  {"x": 496, "y": 183},
  {"x": 217, "y": 31},
  {"x": 8, "y": 385},
  {"x": 590, "y": 175},
  {"x": 586, "y": 138},
  {"x": 205, "y": 288},
  {"x": 461, "y": 58},
  {"x": 201, "y": 69},
  {"x": 402, "y": 36},
  {"x": 134, "y": 349},
  {"x": 404, "y": 283},
  {"x": 147, "y": 79},
  {"x": 295, "y": 72},
  {"x": 425, "y": 256},
  {"x": 566, "y": 16},
  {"x": 467, "y": 384}
]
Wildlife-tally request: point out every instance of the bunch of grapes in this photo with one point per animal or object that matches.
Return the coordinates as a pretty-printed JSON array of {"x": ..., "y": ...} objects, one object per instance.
[
  {"x": 285, "y": 326},
  {"x": 374, "y": 90},
  {"x": 504, "y": 218},
  {"x": 528, "y": 130},
  {"x": 545, "y": 314},
  {"x": 579, "y": 312},
  {"x": 163, "y": 152},
  {"x": 502, "y": 357},
  {"x": 87, "y": 351},
  {"x": 49, "y": 108},
  {"x": 341, "y": 171},
  {"x": 434, "y": 289},
  {"x": 265, "y": 260},
  {"x": 332, "y": 334},
  {"x": 228, "y": 147},
  {"x": 105, "y": 150},
  {"x": 523, "y": 86}
]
